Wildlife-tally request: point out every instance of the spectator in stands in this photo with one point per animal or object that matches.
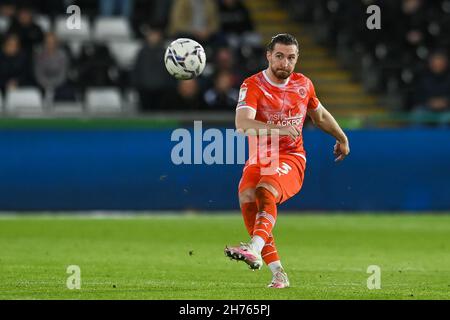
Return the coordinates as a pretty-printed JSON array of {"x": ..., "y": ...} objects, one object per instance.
[
  {"x": 414, "y": 23},
  {"x": 8, "y": 9},
  {"x": 149, "y": 75},
  {"x": 234, "y": 17},
  {"x": 96, "y": 67},
  {"x": 225, "y": 60},
  {"x": 196, "y": 19},
  {"x": 51, "y": 64},
  {"x": 433, "y": 90},
  {"x": 28, "y": 31},
  {"x": 117, "y": 7},
  {"x": 53, "y": 8},
  {"x": 14, "y": 66},
  {"x": 155, "y": 12},
  {"x": 222, "y": 96},
  {"x": 236, "y": 23},
  {"x": 186, "y": 97}
]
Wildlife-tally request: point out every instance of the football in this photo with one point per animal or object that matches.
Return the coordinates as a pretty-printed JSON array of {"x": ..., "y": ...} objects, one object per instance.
[{"x": 185, "y": 59}]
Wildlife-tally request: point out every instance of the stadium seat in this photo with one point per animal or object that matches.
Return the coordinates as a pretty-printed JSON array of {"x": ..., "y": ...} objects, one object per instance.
[
  {"x": 26, "y": 100},
  {"x": 74, "y": 48},
  {"x": 125, "y": 52},
  {"x": 103, "y": 100},
  {"x": 44, "y": 22},
  {"x": 111, "y": 29},
  {"x": 4, "y": 24},
  {"x": 70, "y": 35}
]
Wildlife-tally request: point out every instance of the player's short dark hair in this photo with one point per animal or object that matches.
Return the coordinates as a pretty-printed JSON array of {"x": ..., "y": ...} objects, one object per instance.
[{"x": 283, "y": 38}]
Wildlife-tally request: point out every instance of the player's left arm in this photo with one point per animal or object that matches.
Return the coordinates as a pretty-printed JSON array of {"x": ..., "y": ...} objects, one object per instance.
[{"x": 323, "y": 119}]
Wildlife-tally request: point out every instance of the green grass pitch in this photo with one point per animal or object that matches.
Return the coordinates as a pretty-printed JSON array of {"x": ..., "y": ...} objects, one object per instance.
[{"x": 181, "y": 257}]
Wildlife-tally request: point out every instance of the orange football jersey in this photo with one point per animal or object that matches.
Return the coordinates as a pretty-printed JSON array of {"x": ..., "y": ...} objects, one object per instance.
[{"x": 280, "y": 104}]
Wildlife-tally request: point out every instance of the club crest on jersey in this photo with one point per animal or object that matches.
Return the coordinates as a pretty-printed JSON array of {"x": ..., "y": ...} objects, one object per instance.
[{"x": 302, "y": 92}]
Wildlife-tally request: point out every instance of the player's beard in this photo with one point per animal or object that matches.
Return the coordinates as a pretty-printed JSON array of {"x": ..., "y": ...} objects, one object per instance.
[{"x": 281, "y": 74}]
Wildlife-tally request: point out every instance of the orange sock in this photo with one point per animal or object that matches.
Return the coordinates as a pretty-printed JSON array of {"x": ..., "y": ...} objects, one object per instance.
[
  {"x": 267, "y": 213},
  {"x": 269, "y": 252},
  {"x": 249, "y": 211}
]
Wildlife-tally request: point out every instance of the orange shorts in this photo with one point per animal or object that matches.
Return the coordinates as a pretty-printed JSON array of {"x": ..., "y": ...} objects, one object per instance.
[{"x": 287, "y": 178}]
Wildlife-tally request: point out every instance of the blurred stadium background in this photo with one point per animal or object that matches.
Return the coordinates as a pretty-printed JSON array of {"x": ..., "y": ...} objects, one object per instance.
[
  {"x": 86, "y": 118},
  {"x": 86, "y": 115}
]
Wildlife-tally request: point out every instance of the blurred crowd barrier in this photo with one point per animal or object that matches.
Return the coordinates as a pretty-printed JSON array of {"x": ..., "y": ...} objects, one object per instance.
[{"x": 130, "y": 168}]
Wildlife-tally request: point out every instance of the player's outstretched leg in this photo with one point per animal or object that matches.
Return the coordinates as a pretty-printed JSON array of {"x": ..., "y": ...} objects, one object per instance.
[
  {"x": 245, "y": 252},
  {"x": 265, "y": 218},
  {"x": 264, "y": 222}
]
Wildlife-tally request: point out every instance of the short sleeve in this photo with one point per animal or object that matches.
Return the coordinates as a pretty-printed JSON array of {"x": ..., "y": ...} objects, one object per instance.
[
  {"x": 313, "y": 102},
  {"x": 248, "y": 96}
]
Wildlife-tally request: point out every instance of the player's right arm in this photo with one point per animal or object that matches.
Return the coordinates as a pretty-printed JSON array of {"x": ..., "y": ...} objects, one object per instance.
[
  {"x": 246, "y": 124},
  {"x": 246, "y": 113}
]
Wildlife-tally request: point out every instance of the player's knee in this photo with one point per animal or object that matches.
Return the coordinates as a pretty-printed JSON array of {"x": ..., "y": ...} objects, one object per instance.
[
  {"x": 266, "y": 190},
  {"x": 247, "y": 196}
]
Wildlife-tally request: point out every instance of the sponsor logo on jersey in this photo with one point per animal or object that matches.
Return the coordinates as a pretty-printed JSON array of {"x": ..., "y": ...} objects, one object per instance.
[{"x": 281, "y": 119}]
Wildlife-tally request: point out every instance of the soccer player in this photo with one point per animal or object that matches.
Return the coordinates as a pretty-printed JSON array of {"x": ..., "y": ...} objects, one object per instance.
[{"x": 276, "y": 101}]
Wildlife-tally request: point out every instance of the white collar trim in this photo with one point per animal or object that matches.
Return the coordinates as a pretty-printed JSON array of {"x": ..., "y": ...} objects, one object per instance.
[{"x": 282, "y": 85}]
